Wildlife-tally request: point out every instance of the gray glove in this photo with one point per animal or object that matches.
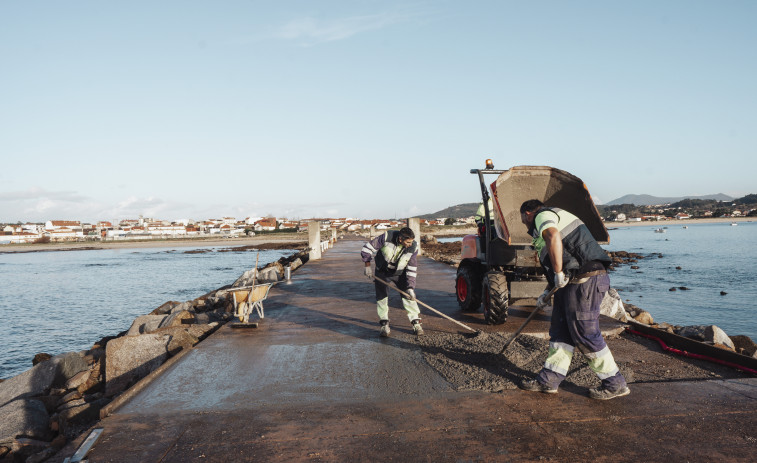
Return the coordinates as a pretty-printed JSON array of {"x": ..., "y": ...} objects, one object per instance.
[
  {"x": 543, "y": 300},
  {"x": 369, "y": 272},
  {"x": 560, "y": 280},
  {"x": 411, "y": 293}
]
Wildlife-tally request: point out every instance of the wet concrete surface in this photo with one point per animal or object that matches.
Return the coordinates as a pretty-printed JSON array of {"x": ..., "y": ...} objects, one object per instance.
[{"x": 314, "y": 382}]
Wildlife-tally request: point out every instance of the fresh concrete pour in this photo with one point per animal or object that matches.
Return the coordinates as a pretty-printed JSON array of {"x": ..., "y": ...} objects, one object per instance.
[{"x": 473, "y": 363}]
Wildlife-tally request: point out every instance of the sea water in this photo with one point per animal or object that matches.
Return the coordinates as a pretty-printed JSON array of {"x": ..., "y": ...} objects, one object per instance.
[
  {"x": 712, "y": 258},
  {"x": 63, "y": 301}
]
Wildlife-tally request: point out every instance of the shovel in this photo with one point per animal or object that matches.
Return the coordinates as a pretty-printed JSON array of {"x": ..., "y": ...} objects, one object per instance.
[{"x": 530, "y": 317}]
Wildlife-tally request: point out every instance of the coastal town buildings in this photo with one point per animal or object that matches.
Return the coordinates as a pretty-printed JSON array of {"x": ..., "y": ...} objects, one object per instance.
[
  {"x": 149, "y": 228},
  {"x": 146, "y": 228}
]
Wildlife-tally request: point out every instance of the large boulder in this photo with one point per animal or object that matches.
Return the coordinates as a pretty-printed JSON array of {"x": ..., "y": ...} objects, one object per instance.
[
  {"x": 41, "y": 357},
  {"x": 709, "y": 334},
  {"x": 24, "y": 418},
  {"x": 295, "y": 264},
  {"x": 77, "y": 380},
  {"x": 25, "y": 449},
  {"x": 69, "y": 365},
  {"x": 244, "y": 280},
  {"x": 177, "y": 319},
  {"x": 208, "y": 317},
  {"x": 612, "y": 306},
  {"x": 631, "y": 309},
  {"x": 80, "y": 413},
  {"x": 39, "y": 379},
  {"x": 180, "y": 338},
  {"x": 185, "y": 336},
  {"x": 644, "y": 317},
  {"x": 744, "y": 345},
  {"x": 145, "y": 324},
  {"x": 165, "y": 308},
  {"x": 130, "y": 358},
  {"x": 202, "y": 331},
  {"x": 184, "y": 306},
  {"x": 270, "y": 274}
]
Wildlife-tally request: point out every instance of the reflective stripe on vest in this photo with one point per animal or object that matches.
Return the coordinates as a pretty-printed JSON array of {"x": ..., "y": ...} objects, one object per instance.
[
  {"x": 564, "y": 221},
  {"x": 396, "y": 257},
  {"x": 369, "y": 249},
  {"x": 579, "y": 246}
]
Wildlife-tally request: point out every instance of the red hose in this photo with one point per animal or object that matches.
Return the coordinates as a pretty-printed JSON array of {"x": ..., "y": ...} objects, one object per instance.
[{"x": 689, "y": 354}]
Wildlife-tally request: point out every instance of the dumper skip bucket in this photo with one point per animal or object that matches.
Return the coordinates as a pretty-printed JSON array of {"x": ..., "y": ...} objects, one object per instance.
[{"x": 553, "y": 187}]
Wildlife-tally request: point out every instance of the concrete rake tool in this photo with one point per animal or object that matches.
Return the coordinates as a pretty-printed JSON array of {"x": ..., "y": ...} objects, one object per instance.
[
  {"x": 380, "y": 280},
  {"x": 530, "y": 317}
]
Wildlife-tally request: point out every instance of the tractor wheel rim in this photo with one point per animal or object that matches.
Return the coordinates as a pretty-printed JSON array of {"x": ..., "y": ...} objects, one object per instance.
[{"x": 462, "y": 289}]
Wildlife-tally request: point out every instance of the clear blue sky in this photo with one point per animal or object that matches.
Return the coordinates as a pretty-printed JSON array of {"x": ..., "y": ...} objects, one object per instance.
[{"x": 199, "y": 109}]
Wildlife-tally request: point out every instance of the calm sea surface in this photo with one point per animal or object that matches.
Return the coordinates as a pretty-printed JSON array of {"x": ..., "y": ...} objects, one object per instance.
[
  {"x": 712, "y": 257},
  {"x": 64, "y": 301}
]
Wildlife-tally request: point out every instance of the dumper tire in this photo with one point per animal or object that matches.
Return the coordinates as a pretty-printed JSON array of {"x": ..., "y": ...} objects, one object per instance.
[
  {"x": 468, "y": 286},
  {"x": 495, "y": 298}
]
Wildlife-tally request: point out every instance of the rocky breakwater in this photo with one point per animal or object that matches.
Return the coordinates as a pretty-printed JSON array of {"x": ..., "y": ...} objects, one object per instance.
[{"x": 61, "y": 396}]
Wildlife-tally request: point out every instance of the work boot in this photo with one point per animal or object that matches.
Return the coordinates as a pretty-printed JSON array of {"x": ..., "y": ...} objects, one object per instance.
[
  {"x": 535, "y": 386},
  {"x": 384, "y": 330},
  {"x": 417, "y": 328},
  {"x": 602, "y": 393}
]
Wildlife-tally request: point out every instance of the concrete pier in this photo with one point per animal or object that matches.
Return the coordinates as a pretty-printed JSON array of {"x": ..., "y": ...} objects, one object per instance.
[
  {"x": 315, "y": 383},
  {"x": 314, "y": 240},
  {"x": 414, "y": 224}
]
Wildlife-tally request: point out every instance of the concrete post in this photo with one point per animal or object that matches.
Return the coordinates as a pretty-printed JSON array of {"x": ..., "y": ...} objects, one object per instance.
[
  {"x": 414, "y": 224},
  {"x": 333, "y": 235},
  {"x": 314, "y": 240},
  {"x": 372, "y": 231}
]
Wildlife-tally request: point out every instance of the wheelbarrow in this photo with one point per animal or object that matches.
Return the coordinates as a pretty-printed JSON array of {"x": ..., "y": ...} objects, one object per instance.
[{"x": 248, "y": 299}]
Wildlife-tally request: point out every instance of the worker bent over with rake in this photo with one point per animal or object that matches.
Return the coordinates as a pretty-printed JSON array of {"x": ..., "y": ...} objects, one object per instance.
[
  {"x": 566, "y": 247},
  {"x": 396, "y": 254}
]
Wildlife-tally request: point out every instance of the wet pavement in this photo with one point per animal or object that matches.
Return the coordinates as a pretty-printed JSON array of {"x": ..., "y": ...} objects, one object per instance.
[{"x": 314, "y": 382}]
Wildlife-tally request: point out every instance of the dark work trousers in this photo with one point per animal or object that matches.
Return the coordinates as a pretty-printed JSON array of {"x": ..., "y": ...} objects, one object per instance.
[{"x": 575, "y": 325}]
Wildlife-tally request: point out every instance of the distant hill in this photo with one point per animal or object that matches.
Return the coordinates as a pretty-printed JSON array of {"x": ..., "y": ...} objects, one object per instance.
[
  {"x": 648, "y": 200},
  {"x": 456, "y": 212}
]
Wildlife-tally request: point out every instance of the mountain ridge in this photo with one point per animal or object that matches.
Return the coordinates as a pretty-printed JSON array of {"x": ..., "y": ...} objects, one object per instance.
[
  {"x": 649, "y": 200},
  {"x": 459, "y": 211},
  {"x": 463, "y": 210}
]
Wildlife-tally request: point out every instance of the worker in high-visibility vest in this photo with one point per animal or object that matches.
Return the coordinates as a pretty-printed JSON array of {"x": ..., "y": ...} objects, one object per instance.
[
  {"x": 396, "y": 255},
  {"x": 576, "y": 264}
]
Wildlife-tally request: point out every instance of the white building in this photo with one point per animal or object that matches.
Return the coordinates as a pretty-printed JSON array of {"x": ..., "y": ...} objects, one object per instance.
[
  {"x": 167, "y": 230},
  {"x": 60, "y": 224},
  {"x": 65, "y": 234}
]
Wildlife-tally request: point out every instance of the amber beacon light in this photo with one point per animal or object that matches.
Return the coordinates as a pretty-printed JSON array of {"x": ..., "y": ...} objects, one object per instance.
[{"x": 489, "y": 164}]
